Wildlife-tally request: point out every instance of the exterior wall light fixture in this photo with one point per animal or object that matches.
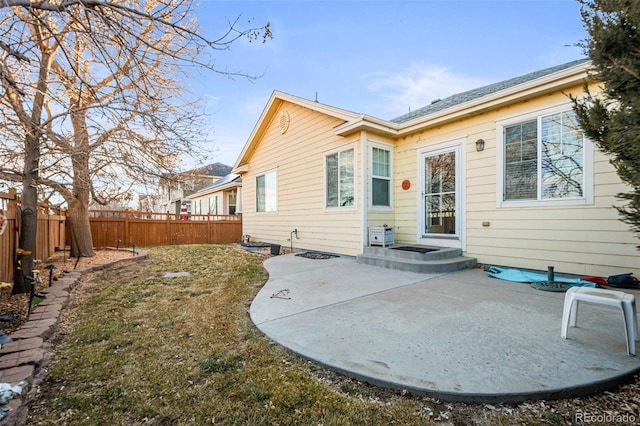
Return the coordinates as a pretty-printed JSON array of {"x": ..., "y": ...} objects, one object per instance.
[{"x": 480, "y": 145}]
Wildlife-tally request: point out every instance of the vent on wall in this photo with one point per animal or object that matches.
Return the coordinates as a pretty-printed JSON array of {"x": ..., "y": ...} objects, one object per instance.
[{"x": 284, "y": 122}]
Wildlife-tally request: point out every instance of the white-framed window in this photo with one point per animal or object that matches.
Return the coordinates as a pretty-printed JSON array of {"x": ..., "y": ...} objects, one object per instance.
[
  {"x": 266, "y": 192},
  {"x": 340, "y": 179},
  {"x": 380, "y": 177},
  {"x": 544, "y": 158},
  {"x": 197, "y": 206},
  {"x": 232, "y": 203},
  {"x": 213, "y": 205}
]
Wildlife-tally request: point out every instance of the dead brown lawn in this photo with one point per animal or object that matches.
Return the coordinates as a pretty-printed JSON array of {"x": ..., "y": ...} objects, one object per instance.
[{"x": 137, "y": 348}]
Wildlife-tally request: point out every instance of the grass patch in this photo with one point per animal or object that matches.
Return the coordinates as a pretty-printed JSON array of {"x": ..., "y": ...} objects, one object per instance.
[
  {"x": 221, "y": 362},
  {"x": 140, "y": 349}
]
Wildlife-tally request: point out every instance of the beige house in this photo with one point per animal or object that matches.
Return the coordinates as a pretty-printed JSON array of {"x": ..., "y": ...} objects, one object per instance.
[
  {"x": 219, "y": 198},
  {"x": 502, "y": 173}
]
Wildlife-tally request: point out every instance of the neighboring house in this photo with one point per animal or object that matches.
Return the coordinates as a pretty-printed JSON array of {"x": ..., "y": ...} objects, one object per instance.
[
  {"x": 220, "y": 198},
  {"x": 151, "y": 203},
  {"x": 173, "y": 190},
  {"x": 501, "y": 172}
]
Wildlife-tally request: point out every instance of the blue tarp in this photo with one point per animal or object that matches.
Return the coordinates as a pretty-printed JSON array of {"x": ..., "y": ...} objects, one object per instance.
[{"x": 516, "y": 275}]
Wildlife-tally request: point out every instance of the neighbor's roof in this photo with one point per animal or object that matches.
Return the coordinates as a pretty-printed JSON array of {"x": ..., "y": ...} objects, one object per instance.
[
  {"x": 215, "y": 169},
  {"x": 231, "y": 180},
  {"x": 460, "y": 98}
]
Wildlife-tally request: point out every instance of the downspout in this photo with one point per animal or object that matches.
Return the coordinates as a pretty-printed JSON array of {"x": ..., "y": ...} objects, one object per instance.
[{"x": 365, "y": 192}]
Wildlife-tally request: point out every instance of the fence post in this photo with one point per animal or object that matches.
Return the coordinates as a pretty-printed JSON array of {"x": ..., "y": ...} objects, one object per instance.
[
  {"x": 12, "y": 235},
  {"x": 62, "y": 230},
  {"x": 167, "y": 231},
  {"x": 126, "y": 228}
]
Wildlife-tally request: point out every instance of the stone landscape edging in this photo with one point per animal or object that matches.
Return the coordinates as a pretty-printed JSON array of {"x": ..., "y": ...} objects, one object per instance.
[{"x": 23, "y": 359}]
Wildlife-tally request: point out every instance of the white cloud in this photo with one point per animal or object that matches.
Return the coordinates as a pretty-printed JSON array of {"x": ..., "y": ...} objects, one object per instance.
[{"x": 416, "y": 86}]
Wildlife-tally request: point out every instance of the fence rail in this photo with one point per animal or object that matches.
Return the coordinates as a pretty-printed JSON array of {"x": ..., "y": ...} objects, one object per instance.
[{"x": 110, "y": 228}]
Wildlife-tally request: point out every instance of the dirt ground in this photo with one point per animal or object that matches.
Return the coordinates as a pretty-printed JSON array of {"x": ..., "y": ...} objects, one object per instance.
[
  {"x": 15, "y": 307},
  {"x": 622, "y": 401}
]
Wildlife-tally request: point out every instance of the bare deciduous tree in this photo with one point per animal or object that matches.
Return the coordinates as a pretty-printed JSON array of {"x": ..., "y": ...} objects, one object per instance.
[{"x": 93, "y": 101}]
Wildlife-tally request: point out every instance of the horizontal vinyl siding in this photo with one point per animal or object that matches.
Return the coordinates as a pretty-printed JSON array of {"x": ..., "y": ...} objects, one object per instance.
[
  {"x": 406, "y": 201},
  {"x": 298, "y": 156},
  {"x": 579, "y": 239}
]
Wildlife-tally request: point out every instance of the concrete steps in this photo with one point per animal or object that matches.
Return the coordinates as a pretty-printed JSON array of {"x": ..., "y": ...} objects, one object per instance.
[{"x": 434, "y": 260}]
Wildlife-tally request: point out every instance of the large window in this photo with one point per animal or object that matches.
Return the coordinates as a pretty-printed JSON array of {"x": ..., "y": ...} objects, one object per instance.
[
  {"x": 266, "y": 200},
  {"x": 380, "y": 177},
  {"x": 340, "y": 179},
  {"x": 544, "y": 159}
]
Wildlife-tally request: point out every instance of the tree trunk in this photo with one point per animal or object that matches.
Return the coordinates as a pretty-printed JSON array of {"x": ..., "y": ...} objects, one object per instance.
[
  {"x": 31, "y": 174},
  {"x": 28, "y": 216},
  {"x": 27, "y": 241},
  {"x": 80, "y": 230}
]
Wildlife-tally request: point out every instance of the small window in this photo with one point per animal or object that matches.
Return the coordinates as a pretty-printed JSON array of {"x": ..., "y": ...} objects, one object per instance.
[
  {"x": 340, "y": 179},
  {"x": 544, "y": 159},
  {"x": 380, "y": 177},
  {"x": 266, "y": 193},
  {"x": 232, "y": 203},
  {"x": 213, "y": 205}
]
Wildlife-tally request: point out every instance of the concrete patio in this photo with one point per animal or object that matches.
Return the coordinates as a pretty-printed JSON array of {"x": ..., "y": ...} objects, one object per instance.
[{"x": 460, "y": 336}]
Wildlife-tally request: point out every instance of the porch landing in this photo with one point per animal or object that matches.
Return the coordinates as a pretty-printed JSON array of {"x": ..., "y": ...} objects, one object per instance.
[
  {"x": 459, "y": 336},
  {"x": 403, "y": 258}
]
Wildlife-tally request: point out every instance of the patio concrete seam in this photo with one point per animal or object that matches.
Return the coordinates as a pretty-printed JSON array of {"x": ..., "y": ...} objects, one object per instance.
[
  {"x": 461, "y": 336},
  {"x": 349, "y": 300}
]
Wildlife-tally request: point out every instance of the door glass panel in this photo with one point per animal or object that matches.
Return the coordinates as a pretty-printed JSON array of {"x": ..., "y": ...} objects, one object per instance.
[{"x": 440, "y": 194}]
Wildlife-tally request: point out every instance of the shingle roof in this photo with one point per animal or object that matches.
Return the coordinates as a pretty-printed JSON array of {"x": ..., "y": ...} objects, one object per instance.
[
  {"x": 225, "y": 180},
  {"x": 470, "y": 95},
  {"x": 215, "y": 169}
]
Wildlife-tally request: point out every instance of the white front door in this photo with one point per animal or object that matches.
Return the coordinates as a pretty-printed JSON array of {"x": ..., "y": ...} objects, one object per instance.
[{"x": 440, "y": 198}]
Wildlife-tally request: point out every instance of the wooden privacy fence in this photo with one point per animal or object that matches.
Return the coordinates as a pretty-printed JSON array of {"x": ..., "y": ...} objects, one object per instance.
[
  {"x": 112, "y": 228},
  {"x": 50, "y": 233}
]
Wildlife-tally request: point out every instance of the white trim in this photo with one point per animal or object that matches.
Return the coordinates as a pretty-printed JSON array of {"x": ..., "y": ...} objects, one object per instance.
[
  {"x": 239, "y": 201},
  {"x": 369, "y": 174},
  {"x": 342, "y": 148},
  {"x": 255, "y": 177},
  {"x": 588, "y": 170},
  {"x": 363, "y": 167}
]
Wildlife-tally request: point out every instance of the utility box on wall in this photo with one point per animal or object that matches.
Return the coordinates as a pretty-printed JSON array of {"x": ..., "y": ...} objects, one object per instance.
[{"x": 381, "y": 236}]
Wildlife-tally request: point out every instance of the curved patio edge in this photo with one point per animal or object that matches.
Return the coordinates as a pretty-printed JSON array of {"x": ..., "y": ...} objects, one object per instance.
[
  {"x": 459, "y": 337},
  {"x": 586, "y": 389}
]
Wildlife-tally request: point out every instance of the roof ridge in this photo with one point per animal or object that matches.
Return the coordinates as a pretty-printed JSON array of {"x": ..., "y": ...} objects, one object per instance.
[{"x": 459, "y": 98}]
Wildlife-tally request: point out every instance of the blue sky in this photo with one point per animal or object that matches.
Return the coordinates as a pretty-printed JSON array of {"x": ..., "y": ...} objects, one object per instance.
[{"x": 380, "y": 58}]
